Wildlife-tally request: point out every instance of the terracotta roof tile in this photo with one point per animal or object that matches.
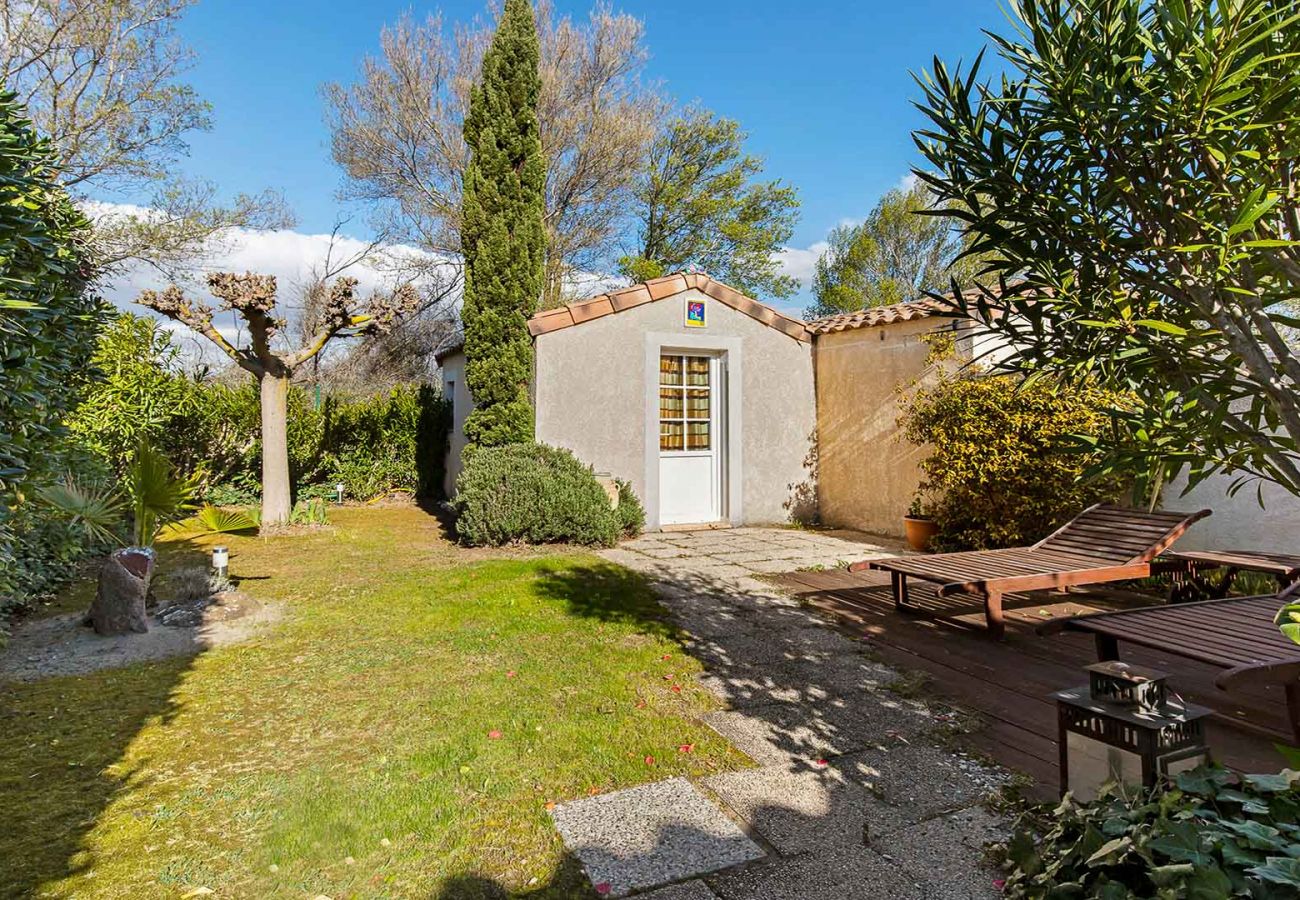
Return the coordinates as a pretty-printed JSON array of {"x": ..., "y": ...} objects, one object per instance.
[
  {"x": 660, "y": 289},
  {"x": 878, "y": 315}
]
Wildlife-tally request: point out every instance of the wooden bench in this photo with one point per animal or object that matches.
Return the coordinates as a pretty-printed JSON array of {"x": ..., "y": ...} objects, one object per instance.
[
  {"x": 1103, "y": 543},
  {"x": 1236, "y": 634}
]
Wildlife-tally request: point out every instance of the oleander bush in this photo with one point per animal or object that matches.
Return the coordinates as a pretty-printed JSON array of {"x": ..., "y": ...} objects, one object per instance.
[
  {"x": 631, "y": 514},
  {"x": 536, "y": 494},
  {"x": 48, "y": 321},
  {"x": 1005, "y": 465},
  {"x": 1214, "y": 834}
]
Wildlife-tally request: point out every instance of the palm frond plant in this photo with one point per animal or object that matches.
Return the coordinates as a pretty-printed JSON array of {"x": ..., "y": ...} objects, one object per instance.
[
  {"x": 97, "y": 511},
  {"x": 158, "y": 495},
  {"x": 219, "y": 520}
]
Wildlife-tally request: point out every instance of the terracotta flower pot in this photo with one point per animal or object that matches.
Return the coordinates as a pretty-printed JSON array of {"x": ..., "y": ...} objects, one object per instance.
[{"x": 920, "y": 530}]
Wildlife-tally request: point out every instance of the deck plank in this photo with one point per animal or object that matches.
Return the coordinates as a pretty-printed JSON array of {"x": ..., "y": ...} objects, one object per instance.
[{"x": 1006, "y": 684}]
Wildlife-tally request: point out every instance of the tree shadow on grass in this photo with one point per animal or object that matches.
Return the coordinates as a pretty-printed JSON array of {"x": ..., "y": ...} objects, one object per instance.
[
  {"x": 63, "y": 755},
  {"x": 568, "y": 882},
  {"x": 608, "y": 593}
]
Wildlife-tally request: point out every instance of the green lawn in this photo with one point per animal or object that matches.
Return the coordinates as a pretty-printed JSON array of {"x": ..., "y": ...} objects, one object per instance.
[{"x": 399, "y": 733}]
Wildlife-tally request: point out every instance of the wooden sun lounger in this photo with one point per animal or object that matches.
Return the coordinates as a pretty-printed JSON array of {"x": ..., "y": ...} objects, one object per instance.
[
  {"x": 1103, "y": 543},
  {"x": 1236, "y": 634},
  {"x": 1195, "y": 563}
]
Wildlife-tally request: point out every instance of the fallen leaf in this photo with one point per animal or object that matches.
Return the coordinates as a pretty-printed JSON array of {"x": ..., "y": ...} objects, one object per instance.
[
  {"x": 494, "y": 735},
  {"x": 686, "y": 748},
  {"x": 649, "y": 760},
  {"x": 822, "y": 762},
  {"x": 677, "y": 688},
  {"x": 666, "y": 656},
  {"x": 603, "y": 888},
  {"x": 510, "y": 674},
  {"x": 550, "y": 805},
  {"x": 640, "y": 704}
]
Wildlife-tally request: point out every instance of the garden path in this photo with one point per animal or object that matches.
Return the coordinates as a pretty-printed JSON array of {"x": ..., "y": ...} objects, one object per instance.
[{"x": 853, "y": 795}]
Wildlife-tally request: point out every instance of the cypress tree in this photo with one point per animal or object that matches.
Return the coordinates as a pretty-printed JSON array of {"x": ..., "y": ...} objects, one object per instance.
[{"x": 502, "y": 235}]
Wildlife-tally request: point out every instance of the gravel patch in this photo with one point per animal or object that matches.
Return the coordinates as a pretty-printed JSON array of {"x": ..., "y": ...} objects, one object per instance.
[
  {"x": 948, "y": 852},
  {"x": 61, "y": 645}
]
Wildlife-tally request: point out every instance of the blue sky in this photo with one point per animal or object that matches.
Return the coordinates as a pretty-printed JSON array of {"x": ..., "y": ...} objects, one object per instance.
[{"x": 822, "y": 88}]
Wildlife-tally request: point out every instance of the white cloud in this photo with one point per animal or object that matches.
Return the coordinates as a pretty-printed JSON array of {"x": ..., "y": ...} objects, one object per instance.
[{"x": 800, "y": 262}]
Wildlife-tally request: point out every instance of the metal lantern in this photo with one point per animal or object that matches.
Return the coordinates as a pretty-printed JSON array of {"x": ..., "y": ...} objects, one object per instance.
[
  {"x": 221, "y": 561},
  {"x": 1123, "y": 726},
  {"x": 338, "y": 489}
]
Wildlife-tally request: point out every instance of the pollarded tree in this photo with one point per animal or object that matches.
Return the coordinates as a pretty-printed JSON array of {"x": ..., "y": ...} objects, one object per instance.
[
  {"x": 502, "y": 234},
  {"x": 1135, "y": 179},
  {"x": 252, "y": 298}
]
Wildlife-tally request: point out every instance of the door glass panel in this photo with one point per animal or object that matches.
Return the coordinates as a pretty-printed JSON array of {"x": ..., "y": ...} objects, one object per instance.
[
  {"x": 670, "y": 370},
  {"x": 685, "y": 403},
  {"x": 697, "y": 435},
  {"x": 670, "y": 436},
  {"x": 670, "y": 403},
  {"x": 697, "y": 371},
  {"x": 697, "y": 404}
]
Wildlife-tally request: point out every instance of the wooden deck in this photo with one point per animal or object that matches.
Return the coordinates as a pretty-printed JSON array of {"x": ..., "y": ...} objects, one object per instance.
[{"x": 1007, "y": 683}]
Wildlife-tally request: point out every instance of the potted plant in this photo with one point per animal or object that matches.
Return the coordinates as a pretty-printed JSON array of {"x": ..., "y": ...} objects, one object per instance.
[{"x": 918, "y": 525}]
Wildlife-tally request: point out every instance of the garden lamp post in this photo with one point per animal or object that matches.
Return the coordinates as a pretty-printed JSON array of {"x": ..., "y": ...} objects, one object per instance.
[
  {"x": 1124, "y": 727},
  {"x": 221, "y": 561}
]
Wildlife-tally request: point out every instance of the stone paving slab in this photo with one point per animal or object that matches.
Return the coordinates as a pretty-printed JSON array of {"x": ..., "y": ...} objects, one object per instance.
[
  {"x": 798, "y": 734},
  {"x": 814, "y": 682},
  {"x": 852, "y": 873},
  {"x": 651, "y": 835},
  {"x": 796, "y": 811},
  {"x": 916, "y": 782},
  {"x": 687, "y": 890},
  {"x": 948, "y": 852}
]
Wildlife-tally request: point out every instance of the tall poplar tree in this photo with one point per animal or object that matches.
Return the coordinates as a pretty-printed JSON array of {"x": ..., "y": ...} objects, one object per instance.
[{"x": 502, "y": 233}]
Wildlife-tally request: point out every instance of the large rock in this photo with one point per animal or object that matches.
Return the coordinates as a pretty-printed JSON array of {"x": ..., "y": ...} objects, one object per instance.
[{"x": 119, "y": 604}]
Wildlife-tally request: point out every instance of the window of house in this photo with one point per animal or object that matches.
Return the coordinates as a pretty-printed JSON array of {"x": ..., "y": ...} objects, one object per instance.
[{"x": 685, "y": 403}]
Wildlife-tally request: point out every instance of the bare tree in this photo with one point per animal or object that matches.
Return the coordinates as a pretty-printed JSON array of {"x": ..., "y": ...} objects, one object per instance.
[
  {"x": 397, "y": 131},
  {"x": 103, "y": 79},
  {"x": 252, "y": 298}
]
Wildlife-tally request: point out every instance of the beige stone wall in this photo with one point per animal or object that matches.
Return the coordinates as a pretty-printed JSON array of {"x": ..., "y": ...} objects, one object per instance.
[{"x": 867, "y": 471}]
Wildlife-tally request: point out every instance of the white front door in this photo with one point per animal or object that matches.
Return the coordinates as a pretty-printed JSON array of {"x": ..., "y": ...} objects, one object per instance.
[{"x": 690, "y": 431}]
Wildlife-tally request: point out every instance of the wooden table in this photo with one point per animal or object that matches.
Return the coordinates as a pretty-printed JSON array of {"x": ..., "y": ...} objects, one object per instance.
[{"x": 1236, "y": 634}]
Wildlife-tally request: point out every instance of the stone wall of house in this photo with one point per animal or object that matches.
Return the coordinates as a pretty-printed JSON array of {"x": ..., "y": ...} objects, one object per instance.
[
  {"x": 452, "y": 368},
  {"x": 597, "y": 395},
  {"x": 867, "y": 471}
]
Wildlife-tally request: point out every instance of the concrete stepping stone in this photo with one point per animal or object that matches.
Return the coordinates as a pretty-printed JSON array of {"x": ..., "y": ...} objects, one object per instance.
[
  {"x": 796, "y": 811},
  {"x": 650, "y": 835},
  {"x": 687, "y": 890},
  {"x": 799, "y": 734},
  {"x": 849, "y": 873},
  {"x": 915, "y": 782},
  {"x": 948, "y": 853}
]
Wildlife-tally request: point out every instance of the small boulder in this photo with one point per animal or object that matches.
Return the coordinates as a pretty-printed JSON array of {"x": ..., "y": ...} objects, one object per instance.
[{"x": 119, "y": 604}]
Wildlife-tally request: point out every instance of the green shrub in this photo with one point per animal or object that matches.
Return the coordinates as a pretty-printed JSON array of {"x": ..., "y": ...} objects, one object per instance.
[
  {"x": 532, "y": 493},
  {"x": 1005, "y": 467},
  {"x": 631, "y": 514},
  {"x": 137, "y": 395},
  {"x": 1215, "y": 834},
  {"x": 48, "y": 322}
]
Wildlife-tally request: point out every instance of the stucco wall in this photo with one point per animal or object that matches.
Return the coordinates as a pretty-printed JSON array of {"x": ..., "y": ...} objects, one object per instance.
[
  {"x": 867, "y": 471},
  {"x": 453, "y": 374},
  {"x": 595, "y": 383},
  {"x": 1237, "y": 522}
]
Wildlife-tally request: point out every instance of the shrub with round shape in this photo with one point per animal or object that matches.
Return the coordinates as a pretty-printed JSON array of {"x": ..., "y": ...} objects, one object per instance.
[{"x": 532, "y": 493}]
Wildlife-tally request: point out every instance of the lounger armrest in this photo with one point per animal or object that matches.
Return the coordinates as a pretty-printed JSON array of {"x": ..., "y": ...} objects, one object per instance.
[{"x": 1259, "y": 673}]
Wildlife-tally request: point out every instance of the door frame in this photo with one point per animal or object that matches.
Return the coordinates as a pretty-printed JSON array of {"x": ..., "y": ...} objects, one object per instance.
[{"x": 728, "y": 351}]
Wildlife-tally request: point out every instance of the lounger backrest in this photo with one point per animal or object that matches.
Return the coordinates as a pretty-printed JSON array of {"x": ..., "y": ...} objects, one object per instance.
[{"x": 1119, "y": 535}]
